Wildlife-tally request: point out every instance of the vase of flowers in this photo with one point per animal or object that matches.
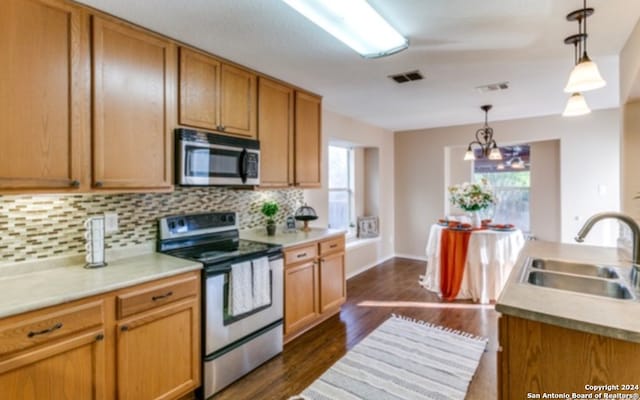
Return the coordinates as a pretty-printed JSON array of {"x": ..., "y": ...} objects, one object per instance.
[{"x": 473, "y": 198}]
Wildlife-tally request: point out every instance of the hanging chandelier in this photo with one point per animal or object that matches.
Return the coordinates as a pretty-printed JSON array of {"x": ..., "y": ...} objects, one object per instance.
[
  {"x": 484, "y": 139},
  {"x": 585, "y": 75}
]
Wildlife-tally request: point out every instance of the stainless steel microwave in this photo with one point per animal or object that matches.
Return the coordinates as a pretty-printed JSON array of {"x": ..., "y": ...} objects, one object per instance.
[{"x": 208, "y": 159}]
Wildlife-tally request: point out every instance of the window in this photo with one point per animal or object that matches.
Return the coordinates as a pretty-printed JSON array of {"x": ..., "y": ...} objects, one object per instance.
[
  {"x": 511, "y": 181},
  {"x": 341, "y": 196}
]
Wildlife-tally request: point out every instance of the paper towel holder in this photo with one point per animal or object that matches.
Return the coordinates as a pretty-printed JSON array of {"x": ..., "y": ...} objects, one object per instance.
[{"x": 94, "y": 235}]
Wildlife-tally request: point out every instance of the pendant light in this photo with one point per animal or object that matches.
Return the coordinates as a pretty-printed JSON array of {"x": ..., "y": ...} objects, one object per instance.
[
  {"x": 585, "y": 75},
  {"x": 576, "y": 105},
  {"x": 484, "y": 139}
]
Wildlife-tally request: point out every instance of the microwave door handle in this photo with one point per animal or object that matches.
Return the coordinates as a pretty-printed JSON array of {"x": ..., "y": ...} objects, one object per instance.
[{"x": 243, "y": 165}]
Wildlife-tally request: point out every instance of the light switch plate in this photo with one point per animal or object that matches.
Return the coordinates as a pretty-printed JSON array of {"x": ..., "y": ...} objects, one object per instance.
[{"x": 110, "y": 222}]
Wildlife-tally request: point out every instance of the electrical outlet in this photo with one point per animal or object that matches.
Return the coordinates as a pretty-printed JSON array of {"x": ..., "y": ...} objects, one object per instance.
[{"x": 110, "y": 222}]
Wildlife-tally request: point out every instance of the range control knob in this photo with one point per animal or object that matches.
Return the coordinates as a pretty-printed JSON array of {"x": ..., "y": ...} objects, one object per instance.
[
  {"x": 172, "y": 225},
  {"x": 223, "y": 218},
  {"x": 230, "y": 218}
]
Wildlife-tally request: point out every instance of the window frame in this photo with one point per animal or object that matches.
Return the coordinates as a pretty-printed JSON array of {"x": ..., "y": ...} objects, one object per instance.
[{"x": 349, "y": 190}]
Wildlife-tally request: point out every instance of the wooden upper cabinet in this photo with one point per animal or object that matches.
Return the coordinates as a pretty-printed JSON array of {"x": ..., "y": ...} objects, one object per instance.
[
  {"x": 199, "y": 90},
  {"x": 308, "y": 139},
  {"x": 40, "y": 94},
  {"x": 275, "y": 121},
  {"x": 238, "y": 105},
  {"x": 217, "y": 96},
  {"x": 134, "y": 76}
]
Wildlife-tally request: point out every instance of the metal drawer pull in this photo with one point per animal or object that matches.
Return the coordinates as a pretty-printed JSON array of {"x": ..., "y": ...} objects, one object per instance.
[
  {"x": 301, "y": 255},
  {"x": 48, "y": 330},
  {"x": 162, "y": 296},
  {"x": 333, "y": 246}
]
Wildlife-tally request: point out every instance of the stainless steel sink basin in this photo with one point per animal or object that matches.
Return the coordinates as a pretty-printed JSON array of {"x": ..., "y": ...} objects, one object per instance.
[
  {"x": 574, "y": 268},
  {"x": 594, "y": 286}
]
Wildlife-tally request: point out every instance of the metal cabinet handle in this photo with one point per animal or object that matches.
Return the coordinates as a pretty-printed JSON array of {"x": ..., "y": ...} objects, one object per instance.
[
  {"x": 44, "y": 331},
  {"x": 333, "y": 246},
  {"x": 74, "y": 183},
  {"x": 98, "y": 184},
  {"x": 99, "y": 337},
  {"x": 322, "y": 260},
  {"x": 124, "y": 328},
  {"x": 162, "y": 296},
  {"x": 301, "y": 255}
]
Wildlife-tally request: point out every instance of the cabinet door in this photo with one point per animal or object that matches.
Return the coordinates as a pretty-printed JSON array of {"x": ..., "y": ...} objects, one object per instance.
[
  {"x": 332, "y": 282},
  {"x": 158, "y": 353},
  {"x": 300, "y": 296},
  {"x": 66, "y": 370},
  {"x": 40, "y": 93},
  {"x": 307, "y": 140},
  {"x": 133, "y": 87},
  {"x": 238, "y": 105},
  {"x": 275, "y": 132},
  {"x": 199, "y": 90}
]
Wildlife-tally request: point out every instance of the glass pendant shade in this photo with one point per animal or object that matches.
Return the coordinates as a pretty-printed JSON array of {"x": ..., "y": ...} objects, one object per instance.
[
  {"x": 585, "y": 76},
  {"x": 469, "y": 156},
  {"x": 576, "y": 106},
  {"x": 495, "y": 154}
]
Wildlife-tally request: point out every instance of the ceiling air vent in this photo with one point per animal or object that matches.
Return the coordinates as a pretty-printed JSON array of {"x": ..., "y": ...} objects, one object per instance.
[
  {"x": 492, "y": 87},
  {"x": 407, "y": 76}
]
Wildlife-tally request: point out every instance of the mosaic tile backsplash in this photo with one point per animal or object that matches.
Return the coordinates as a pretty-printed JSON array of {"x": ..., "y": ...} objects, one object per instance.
[{"x": 43, "y": 226}]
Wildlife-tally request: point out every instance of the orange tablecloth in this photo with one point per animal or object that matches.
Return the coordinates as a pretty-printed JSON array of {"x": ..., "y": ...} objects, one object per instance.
[{"x": 453, "y": 255}]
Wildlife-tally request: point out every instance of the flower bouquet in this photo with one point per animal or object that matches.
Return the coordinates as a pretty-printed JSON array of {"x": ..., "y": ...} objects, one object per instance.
[{"x": 472, "y": 197}]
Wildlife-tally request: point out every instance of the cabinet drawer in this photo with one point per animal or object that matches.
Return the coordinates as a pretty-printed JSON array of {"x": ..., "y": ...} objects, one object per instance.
[
  {"x": 332, "y": 245},
  {"x": 300, "y": 254},
  {"x": 148, "y": 298},
  {"x": 44, "y": 326}
]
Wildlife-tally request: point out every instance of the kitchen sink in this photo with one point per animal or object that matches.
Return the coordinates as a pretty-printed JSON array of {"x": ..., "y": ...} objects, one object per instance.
[
  {"x": 574, "y": 268},
  {"x": 580, "y": 284}
]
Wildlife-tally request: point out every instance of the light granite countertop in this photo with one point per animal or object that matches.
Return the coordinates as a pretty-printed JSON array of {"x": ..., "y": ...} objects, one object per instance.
[
  {"x": 40, "y": 284},
  {"x": 290, "y": 239},
  {"x": 593, "y": 314}
]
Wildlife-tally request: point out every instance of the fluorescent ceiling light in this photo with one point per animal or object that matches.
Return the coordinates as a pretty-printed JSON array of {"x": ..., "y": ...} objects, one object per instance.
[{"x": 355, "y": 23}]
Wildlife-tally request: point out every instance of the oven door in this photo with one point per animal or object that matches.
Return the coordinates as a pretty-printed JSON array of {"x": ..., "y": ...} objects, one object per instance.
[
  {"x": 202, "y": 164},
  {"x": 222, "y": 330}
]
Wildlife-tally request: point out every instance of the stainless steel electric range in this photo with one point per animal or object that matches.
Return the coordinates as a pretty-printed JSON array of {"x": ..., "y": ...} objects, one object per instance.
[{"x": 235, "y": 340}]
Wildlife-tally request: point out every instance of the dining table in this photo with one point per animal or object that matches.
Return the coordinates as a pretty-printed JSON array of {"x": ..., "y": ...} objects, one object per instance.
[{"x": 470, "y": 263}]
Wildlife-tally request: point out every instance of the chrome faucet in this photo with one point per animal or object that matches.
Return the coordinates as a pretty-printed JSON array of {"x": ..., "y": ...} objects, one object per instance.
[{"x": 635, "y": 230}]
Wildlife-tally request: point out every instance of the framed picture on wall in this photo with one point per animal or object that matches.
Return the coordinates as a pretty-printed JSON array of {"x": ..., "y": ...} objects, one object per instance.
[{"x": 368, "y": 227}]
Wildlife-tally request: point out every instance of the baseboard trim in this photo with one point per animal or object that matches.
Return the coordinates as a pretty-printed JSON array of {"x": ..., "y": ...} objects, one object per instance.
[
  {"x": 410, "y": 257},
  {"x": 368, "y": 266}
]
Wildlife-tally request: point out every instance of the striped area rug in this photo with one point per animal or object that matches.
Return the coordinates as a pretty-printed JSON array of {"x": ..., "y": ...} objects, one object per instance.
[{"x": 402, "y": 359}]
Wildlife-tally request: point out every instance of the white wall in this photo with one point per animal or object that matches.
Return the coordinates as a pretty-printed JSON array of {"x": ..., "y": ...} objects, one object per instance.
[
  {"x": 336, "y": 127},
  {"x": 545, "y": 197},
  {"x": 589, "y": 172}
]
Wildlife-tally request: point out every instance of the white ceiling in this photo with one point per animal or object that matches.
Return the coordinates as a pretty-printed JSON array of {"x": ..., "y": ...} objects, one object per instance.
[{"x": 457, "y": 44}]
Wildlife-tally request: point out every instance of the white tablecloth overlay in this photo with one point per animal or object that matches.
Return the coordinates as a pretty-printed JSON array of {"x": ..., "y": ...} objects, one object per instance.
[{"x": 490, "y": 258}]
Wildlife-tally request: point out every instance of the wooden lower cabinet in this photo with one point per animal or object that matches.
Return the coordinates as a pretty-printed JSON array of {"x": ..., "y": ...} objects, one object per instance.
[
  {"x": 537, "y": 358},
  {"x": 79, "y": 350},
  {"x": 301, "y": 295},
  {"x": 73, "y": 368},
  {"x": 315, "y": 285},
  {"x": 156, "y": 353},
  {"x": 332, "y": 277}
]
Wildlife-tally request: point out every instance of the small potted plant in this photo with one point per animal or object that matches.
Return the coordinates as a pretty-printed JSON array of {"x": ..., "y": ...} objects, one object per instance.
[{"x": 270, "y": 209}]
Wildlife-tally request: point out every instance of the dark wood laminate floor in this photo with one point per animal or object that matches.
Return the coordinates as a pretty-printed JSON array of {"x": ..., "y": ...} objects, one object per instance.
[{"x": 372, "y": 296}]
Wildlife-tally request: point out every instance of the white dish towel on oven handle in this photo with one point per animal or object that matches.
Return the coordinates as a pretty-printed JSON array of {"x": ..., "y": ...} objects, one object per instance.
[
  {"x": 261, "y": 284},
  {"x": 240, "y": 289}
]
